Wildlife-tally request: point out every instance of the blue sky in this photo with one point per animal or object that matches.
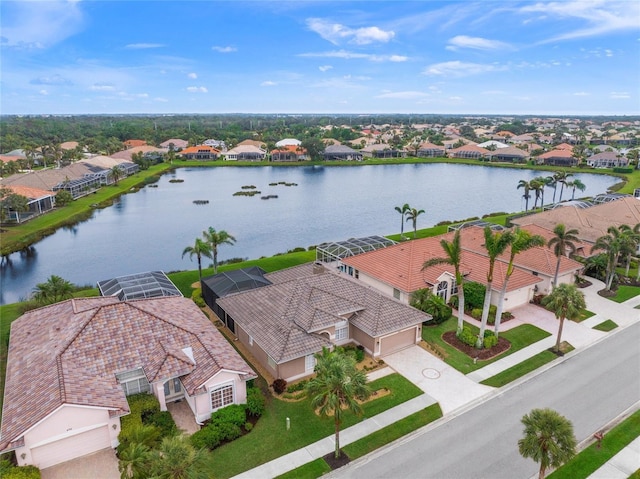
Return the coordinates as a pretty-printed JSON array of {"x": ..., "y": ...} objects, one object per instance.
[{"x": 454, "y": 57}]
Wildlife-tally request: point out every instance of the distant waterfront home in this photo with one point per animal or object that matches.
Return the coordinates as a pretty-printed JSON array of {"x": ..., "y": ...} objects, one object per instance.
[
  {"x": 200, "y": 152},
  {"x": 557, "y": 158},
  {"x": 382, "y": 150},
  {"x": 306, "y": 308},
  {"x": 341, "y": 153},
  {"x": 289, "y": 153},
  {"x": 178, "y": 143},
  {"x": 429, "y": 150},
  {"x": 510, "y": 153},
  {"x": 39, "y": 201},
  {"x": 245, "y": 153},
  {"x": 71, "y": 366},
  {"x": 288, "y": 142},
  {"x": 470, "y": 151},
  {"x": 133, "y": 143},
  {"x": 607, "y": 159}
]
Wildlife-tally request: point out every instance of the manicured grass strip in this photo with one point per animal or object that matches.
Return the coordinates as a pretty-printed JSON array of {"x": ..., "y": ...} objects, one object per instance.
[
  {"x": 607, "y": 325},
  {"x": 519, "y": 370},
  {"x": 520, "y": 337},
  {"x": 589, "y": 460},
  {"x": 259, "y": 446},
  {"x": 393, "y": 431},
  {"x": 584, "y": 314},
  {"x": 310, "y": 470},
  {"x": 625, "y": 292}
]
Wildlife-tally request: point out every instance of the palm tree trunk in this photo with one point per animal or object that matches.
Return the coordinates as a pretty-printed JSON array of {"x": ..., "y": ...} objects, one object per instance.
[
  {"x": 627, "y": 265},
  {"x": 555, "y": 276},
  {"x": 561, "y": 189},
  {"x": 461, "y": 307},
  {"x": 200, "y": 267},
  {"x": 559, "y": 340},
  {"x": 215, "y": 260},
  {"x": 543, "y": 470},
  {"x": 485, "y": 315},
  {"x": 555, "y": 188},
  {"x": 337, "y": 425},
  {"x": 500, "y": 307}
]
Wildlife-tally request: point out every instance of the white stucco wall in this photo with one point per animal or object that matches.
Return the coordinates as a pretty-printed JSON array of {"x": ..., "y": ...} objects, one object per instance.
[
  {"x": 383, "y": 287},
  {"x": 201, "y": 403}
]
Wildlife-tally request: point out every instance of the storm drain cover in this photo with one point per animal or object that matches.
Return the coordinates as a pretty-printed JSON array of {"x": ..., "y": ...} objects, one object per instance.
[{"x": 431, "y": 373}]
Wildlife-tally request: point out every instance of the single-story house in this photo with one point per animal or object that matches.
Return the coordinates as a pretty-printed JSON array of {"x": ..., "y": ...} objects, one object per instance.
[
  {"x": 607, "y": 159},
  {"x": 470, "y": 151},
  {"x": 382, "y": 150},
  {"x": 245, "y": 153},
  {"x": 341, "y": 153},
  {"x": 71, "y": 366},
  {"x": 289, "y": 153},
  {"x": 39, "y": 201},
  {"x": 429, "y": 150},
  {"x": 510, "y": 153},
  {"x": 133, "y": 143},
  {"x": 307, "y": 308},
  {"x": 178, "y": 143},
  {"x": 557, "y": 157},
  {"x": 288, "y": 142},
  {"x": 200, "y": 152}
]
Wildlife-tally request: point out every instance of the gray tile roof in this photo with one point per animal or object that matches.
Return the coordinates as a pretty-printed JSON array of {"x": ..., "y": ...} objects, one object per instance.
[
  {"x": 69, "y": 353},
  {"x": 284, "y": 317}
]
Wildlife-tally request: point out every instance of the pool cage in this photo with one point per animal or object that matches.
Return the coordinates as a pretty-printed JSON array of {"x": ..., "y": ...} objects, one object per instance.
[
  {"x": 331, "y": 252},
  {"x": 141, "y": 285}
]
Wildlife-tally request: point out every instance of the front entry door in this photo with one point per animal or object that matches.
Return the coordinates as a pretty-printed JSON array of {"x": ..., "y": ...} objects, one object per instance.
[{"x": 173, "y": 390}]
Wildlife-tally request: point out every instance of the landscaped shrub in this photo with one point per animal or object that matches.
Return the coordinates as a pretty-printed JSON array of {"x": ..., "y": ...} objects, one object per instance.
[
  {"x": 473, "y": 295},
  {"x": 359, "y": 353},
  {"x": 622, "y": 170},
  {"x": 255, "y": 402},
  {"x": 507, "y": 315},
  {"x": 299, "y": 386},
  {"x": 143, "y": 404},
  {"x": 279, "y": 386},
  {"x": 227, "y": 430},
  {"x": 476, "y": 313},
  {"x": 232, "y": 414},
  {"x": 248, "y": 426},
  {"x": 164, "y": 422},
  {"x": 490, "y": 340},
  {"x": 467, "y": 337},
  {"x": 197, "y": 298},
  {"x": 207, "y": 437},
  {"x": 21, "y": 472}
]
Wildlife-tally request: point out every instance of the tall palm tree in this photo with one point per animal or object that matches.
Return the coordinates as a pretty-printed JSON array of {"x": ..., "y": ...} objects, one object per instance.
[
  {"x": 176, "y": 458},
  {"x": 200, "y": 248},
  {"x": 566, "y": 302},
  {"x": 115, "y": 173},
  {"x": 215, "y": 239},
  {"x": 53, "y": 290},
  {"x": 495, "y": 244},
  {"x": 453, "y": 257},
  {"x": 548, "y": 439},
  {"x": 576, "y": 185},
  {"x": 549, "y": 182},
  {"x": 629, "y": 242},
  {"x": 563, "y": 240},
  {"x": 403, "y": 212},
  {"x": 337, "y": 387},
  {"x": 521, "y": 241},
  {"x": 412, "y": 215},
  {"x": 134, "y": 461},
  {"x": 527, "y": 188},
  {"x": 612, "y": 245},
  {"x": 537, "y": 185},
  {"x": 563, "y": 178}
]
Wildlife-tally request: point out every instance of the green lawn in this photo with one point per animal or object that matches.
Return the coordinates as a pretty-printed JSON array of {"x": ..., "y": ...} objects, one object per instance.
[
  {"x": 607, "y": 325},
  {"x": 520, "y": 337},
  {"x": 269, "y": 439},
  {"x": 625, "y": 292},
  {"x": 584, "y": 314},
  {"x": 525, "y": 367},
  {"x": 589, "y": 460},
  {"x": 310, "y": 470}
]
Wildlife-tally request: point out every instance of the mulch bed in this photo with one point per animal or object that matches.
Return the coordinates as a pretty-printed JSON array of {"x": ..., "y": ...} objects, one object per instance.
[
  {"x": 482, "y": 354},
  {"x": 583, "y": 284},
  {"x": 336, "y": 463},
  {"x": 607, "y": 293}
]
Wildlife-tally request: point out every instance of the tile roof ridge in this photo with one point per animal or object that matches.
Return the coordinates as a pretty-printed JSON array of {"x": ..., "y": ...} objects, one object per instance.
[
  {"x": 165, "y": 320},
  {"x": 81, "y": 328},
  {"x": 61, "y": 388}
]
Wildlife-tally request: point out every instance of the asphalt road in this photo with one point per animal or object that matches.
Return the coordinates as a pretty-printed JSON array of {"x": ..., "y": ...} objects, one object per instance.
[{"x": 590, "y": 388}]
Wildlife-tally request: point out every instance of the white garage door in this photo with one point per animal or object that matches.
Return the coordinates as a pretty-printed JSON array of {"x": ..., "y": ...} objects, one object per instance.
[
  {"x": 71, "y": 447},
  {"x": 398, "y": 341}
]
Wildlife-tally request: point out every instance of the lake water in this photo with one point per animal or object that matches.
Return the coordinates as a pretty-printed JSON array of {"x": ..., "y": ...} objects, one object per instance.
[{"x": 148, "y": 230}]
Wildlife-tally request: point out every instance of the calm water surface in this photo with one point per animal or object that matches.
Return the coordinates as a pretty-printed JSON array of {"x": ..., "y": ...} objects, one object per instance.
[{"x": 148, "y": 230}]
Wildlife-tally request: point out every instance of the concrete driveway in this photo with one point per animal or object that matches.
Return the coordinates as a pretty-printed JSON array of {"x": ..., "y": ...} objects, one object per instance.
[
  {"x": 449, "y": 387},
  {"x": 99, "y": 465}
]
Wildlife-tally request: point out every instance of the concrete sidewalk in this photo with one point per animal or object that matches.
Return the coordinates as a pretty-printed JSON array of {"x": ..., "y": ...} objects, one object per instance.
[{"x": 622, "y": 465}]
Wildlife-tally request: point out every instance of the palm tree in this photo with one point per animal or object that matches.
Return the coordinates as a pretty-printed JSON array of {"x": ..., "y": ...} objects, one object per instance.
[
  {"x": 527, "y": 187},
  {"x": 215, "y": 239},
  {"x": 495, "y": 244},
  {"x": 403, "y": 211},
  {"x": 576, "y": 184},
  {"x": 134, "y": 461},
  {"x": 562, "y": 178},
  {"x": 629, "y": 241},
  {"x": 566, "y": 302},
  {"x": 54, "y": 290},
  {"x": 412, "y": 215},
  {"x": 548, "y": 439},
  {"x": 548, "y": 182},
  {"x": 562, "y": 241},
  {"x": 453, "y": 252},
  {"x": 176, "y": 458},
  {"x": 337, "y": 387},
  {"x": 537, "y": 185},
  {"x": 612, "y": 244},
  {"x": 116, "y": 174},
  {"x": 521, "y": 241},
  {"x": 199, "y": 249}
]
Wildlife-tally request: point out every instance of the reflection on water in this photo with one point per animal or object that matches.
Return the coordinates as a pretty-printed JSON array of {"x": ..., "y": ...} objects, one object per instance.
[{"x": 148, "y": 230}]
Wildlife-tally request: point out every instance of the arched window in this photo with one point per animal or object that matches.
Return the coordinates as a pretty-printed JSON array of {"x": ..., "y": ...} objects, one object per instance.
[{"x": 442, "y": 289}]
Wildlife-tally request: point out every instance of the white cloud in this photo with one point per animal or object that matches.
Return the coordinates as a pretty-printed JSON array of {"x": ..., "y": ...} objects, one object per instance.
[
  {"x": 600, "y": 16},
  {"x": 476, "y": 43},
  {"x": 456, "y": 98},
  {"x": 347, "y": 55},
  {"x": 102, "y": 87},
  {"x": 268, "y": 83},
  {"x": 43, "y": 92},
  {"x": 143, "y": 46},
  {"x": 617, "y": 95},
  {"x": 459, "y": 69},
  {"x": 160, "y": 99},
  {"x": 403, "y": 95},
  {"x": 335, "y": 32},
  {"x": 197, "y": 89},
  {"x": 55, "y": 79},
  {"x": 193, "y": 76},
  {"x": 581, "y": 93},
  {"x": 227, "y": 49},
  {"x": 324, "y": 68},
  {"x": 142, "y": 95}
]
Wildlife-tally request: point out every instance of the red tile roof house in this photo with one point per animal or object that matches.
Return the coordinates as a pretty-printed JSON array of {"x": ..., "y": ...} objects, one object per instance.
[
  {"x": 200, "y": 152},
  {"x": 557, "y": 158},
  {"x": 307, "y": 308},
  {"x": 71, "y": 366},
  {"x": 289, "y": 153},
  {"x": 397, "y": 270},
  {"x": 39, "y": 202}
]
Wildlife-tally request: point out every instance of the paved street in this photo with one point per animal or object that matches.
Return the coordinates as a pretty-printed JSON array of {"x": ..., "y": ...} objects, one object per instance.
[{"x": 591, "y": 388}]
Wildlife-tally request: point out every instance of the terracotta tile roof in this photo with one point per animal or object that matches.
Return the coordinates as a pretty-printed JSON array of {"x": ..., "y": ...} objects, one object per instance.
[
  {"x": 473, "y": 148},
  {"x": 199, "y": 148},
  {"x": 133, "y": 143},
  {"x": 128, "y": 154},
  {"x": 31, "y": 193},
  {"x": 298, "y": 150},
  {"x": 556, "y": 154},
  {"x": 69, "y": 353},
  {"x": 564, "y": 146},
  {"x": 582, "y": 248},
  {"x": 8, "y": 158},
  {"x": 283, "y": 316}
]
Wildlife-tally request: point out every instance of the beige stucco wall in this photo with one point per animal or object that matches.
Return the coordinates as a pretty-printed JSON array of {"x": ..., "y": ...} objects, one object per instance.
[
  {"x": 383, "y": 287},
  {"x": 65, "y": 422},
  {"x": 363, "y": 339},
  {"x": 292, "y": 370},
  {"x": 256, "y": 350}
]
